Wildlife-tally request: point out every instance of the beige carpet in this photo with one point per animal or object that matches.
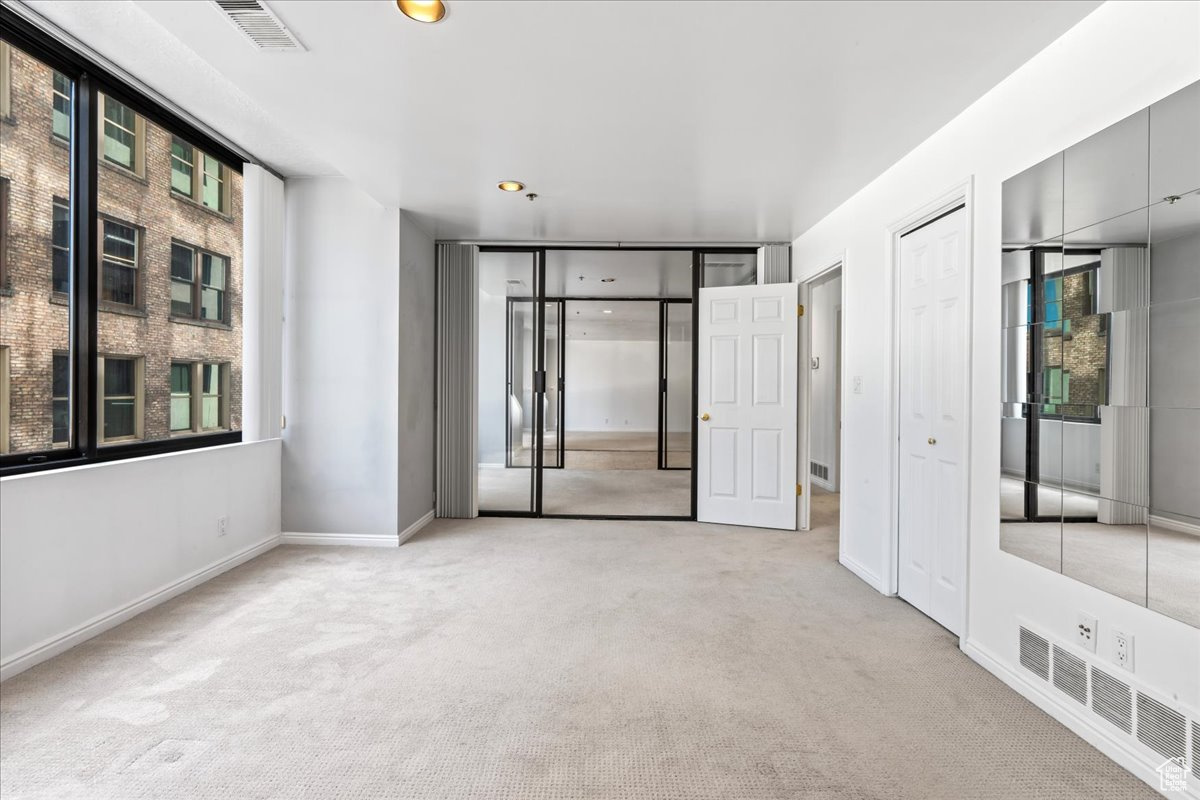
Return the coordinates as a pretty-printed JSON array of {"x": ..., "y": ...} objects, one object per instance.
[{"x": 539, "y": 659}]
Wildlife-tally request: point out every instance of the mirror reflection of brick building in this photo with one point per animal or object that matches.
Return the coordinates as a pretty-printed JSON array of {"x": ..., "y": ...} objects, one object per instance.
[{"x": 170, "y": 250}]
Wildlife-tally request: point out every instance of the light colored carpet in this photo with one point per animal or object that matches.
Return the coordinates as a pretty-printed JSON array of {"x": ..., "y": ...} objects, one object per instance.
[
  {"x": 609, "y": 450},
  {"x": 502, "y": 659},
  {"x": 651, "y": 492}
]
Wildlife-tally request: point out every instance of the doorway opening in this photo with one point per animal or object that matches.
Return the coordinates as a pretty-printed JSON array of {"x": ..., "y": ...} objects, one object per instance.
[
  {"x": 586, "y": 378},
  {"x": 821, "y": 464}
]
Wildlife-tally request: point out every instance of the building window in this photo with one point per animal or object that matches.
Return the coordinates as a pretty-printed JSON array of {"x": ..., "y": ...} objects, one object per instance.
[
  {"x": 212, "y": 287},
  {"x": 124, "y": 135},
  {"x": 198, "y": 281},
  {"x": 183, "y": 280},
  {"x": 182, "y": 166},
  {"x": 181, "y": 397},
  {"x": 60, "y": 401},
  {"x": 199, "y": 397},
  {"x": 211, "y": 191},
  {"x": 60, "y": 245},
  {"x": 62, "y": 106},
  {"x": 5, "y": 81},
  {"x": 212, "y": 396},
  {"x": 4, "y": 407},
  {"x": 4, "y": 233},
  {"x": 119, "y": 283},
  {"x": 121, "y": 398}
]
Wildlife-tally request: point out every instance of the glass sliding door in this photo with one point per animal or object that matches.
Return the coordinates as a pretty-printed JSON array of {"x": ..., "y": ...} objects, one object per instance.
[
  {"x": 552, "y": 405},
  {"x": 508, "y": 413},
  {"x": 676, "y": 348}
]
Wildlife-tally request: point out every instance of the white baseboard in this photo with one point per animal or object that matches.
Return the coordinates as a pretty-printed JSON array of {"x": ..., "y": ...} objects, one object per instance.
[
  {"x": 1178, "y": 526},
  {"x": 858, "y": 569},
  {"x": 412, "y": 530},
  {"x": 826, "y": 485},
  {"x": 359, "y": 539},
  {"x": 344, "y": 539},
  {"x": 1140, "y": 765},
  {"x": 31, "y": 656}
]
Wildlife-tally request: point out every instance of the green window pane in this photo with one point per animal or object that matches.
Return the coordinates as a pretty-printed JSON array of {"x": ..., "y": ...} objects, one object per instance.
[
  {"x": 182, "y": 159},
  {"x": 62, "y": 106},
  {"x": 181, "y": 378},
  {"x": 119, "y": 418},
  {"x": 211, "y": 196},
  {"x": 119, "y": 138},
  {"x": 118, "y": 376}
]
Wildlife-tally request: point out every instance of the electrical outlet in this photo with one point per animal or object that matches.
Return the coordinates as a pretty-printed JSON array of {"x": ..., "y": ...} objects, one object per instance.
[
  {"x": 1123, "y": 650},
  {"x": 222, "y": 525},
  {"x": 1085, "y": 632}
]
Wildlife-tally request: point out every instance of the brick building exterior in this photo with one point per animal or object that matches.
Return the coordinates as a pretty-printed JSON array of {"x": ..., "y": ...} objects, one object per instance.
[
  {"x": 157, "y": 330},
  {"x": 1076, "y": 348}
]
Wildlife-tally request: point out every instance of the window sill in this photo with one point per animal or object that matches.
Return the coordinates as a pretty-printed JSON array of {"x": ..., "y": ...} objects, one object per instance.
[
  {"x": 128, "y": 173},
  {"x": 202, "y": 323},
  {"x": 57, "y": 140},
  {"x": 59, "y": 298},
  {"x": 183, "y": 198},
  {"x": 7, "y": 291},
  {"x": 117, "y": 308}
]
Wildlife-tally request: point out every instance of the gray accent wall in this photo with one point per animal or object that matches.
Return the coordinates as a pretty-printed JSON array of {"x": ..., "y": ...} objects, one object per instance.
[
  {"x": 457, "y": 370},
  {"x": 417, "y": 303}
]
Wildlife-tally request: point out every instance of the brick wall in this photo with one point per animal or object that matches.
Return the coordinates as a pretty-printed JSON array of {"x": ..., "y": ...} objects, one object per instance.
[{"x": 34, "y": 320}]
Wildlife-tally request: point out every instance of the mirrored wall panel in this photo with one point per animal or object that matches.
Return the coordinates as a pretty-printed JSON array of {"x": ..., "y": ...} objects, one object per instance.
[{"x": 1100, "y": 360}]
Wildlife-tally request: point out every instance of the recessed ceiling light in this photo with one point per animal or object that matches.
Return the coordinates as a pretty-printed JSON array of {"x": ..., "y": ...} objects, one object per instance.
[
  {"x": 510, "y": 186},
  {"x": 422, "y": 10},
  {"x": 608, "y": 311},
  {"x": 607, "y": 280}
]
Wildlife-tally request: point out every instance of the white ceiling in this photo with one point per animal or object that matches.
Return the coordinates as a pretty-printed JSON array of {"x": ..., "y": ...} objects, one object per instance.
[{"x": 649, "y": 121}]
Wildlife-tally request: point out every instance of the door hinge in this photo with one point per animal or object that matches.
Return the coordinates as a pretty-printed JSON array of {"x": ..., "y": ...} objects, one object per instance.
[
  {"x": 799, "y": 489},
  {"x": 799, "y": 310},
  {"x": 282, "y": 422}
]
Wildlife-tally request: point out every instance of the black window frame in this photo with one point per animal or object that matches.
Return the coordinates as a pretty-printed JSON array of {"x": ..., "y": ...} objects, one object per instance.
[{"x": 90, "y": 80}]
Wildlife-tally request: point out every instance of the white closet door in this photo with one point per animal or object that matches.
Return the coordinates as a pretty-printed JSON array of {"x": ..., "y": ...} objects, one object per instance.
[{"x": 933, "y": 400}]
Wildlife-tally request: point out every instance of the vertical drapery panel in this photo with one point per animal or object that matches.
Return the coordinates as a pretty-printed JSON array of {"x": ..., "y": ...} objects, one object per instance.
[
  {"x": 457, "y": 371},
  {"x": 774, "y": 263}
]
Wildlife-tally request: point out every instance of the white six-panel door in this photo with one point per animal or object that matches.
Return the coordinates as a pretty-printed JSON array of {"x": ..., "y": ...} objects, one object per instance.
[
  {"x": 746, "y": 376},
  {"x": 933, "y": 401}
]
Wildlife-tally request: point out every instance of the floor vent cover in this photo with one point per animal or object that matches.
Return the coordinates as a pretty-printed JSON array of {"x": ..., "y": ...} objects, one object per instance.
[
  {"x": 1070, "y": 674},
  {"x": 1035, "y": 654},
  {"x": 1160, "y": 728},
  {"x": 1112, "y": 700},
  {"x": 819, "y": 469},
  {"x": 259, "y": 24}
]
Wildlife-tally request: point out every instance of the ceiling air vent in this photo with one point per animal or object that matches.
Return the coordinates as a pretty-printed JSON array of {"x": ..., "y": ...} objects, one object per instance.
[
  {"x": 259, "y": 24},
  {"x": 1160, "y": 728},
  {"x": 1070, "y": 674},
  {"x": 1035, "y": 654},
  {"x": 1112, "y": 700}
]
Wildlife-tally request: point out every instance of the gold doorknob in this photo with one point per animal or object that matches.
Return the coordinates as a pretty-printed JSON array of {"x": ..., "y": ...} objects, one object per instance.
[
  {"x": 704, "y": 417},
  {"x": 932, "y": 440}
]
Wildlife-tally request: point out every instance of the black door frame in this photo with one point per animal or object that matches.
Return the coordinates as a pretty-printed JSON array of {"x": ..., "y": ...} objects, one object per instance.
[{"x": 539, "y": 300}]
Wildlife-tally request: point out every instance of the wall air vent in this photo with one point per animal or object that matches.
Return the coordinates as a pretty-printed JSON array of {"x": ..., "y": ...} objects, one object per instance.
[
  {"x": 1196, "y": 748},
  {"x": 259, "y": 24},
  {"x": 1035, "y": 654},
  {"x": 1070, "y": 675},
  {"x": 1112, "y": 700},
  {"x": 819, "y": 470},
  {"x": 1160, "y": 728}
]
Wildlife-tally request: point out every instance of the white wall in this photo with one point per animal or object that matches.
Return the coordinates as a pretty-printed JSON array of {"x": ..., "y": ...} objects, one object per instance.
[
  {"x": 85, "y": 548},
  {"x": 611, "y": 385},
  {"x": 1117, "y": 61},
  {"x": 824, "y": 301},
  {"x": 354, "y": 270}
]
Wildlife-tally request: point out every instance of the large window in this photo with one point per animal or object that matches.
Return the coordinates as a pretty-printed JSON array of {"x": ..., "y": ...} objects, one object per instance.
[{"x": 120, "y": 310}]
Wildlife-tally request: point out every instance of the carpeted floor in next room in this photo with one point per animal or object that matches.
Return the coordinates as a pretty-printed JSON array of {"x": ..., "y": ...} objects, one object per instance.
[{"x": 541, "y": 659}]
